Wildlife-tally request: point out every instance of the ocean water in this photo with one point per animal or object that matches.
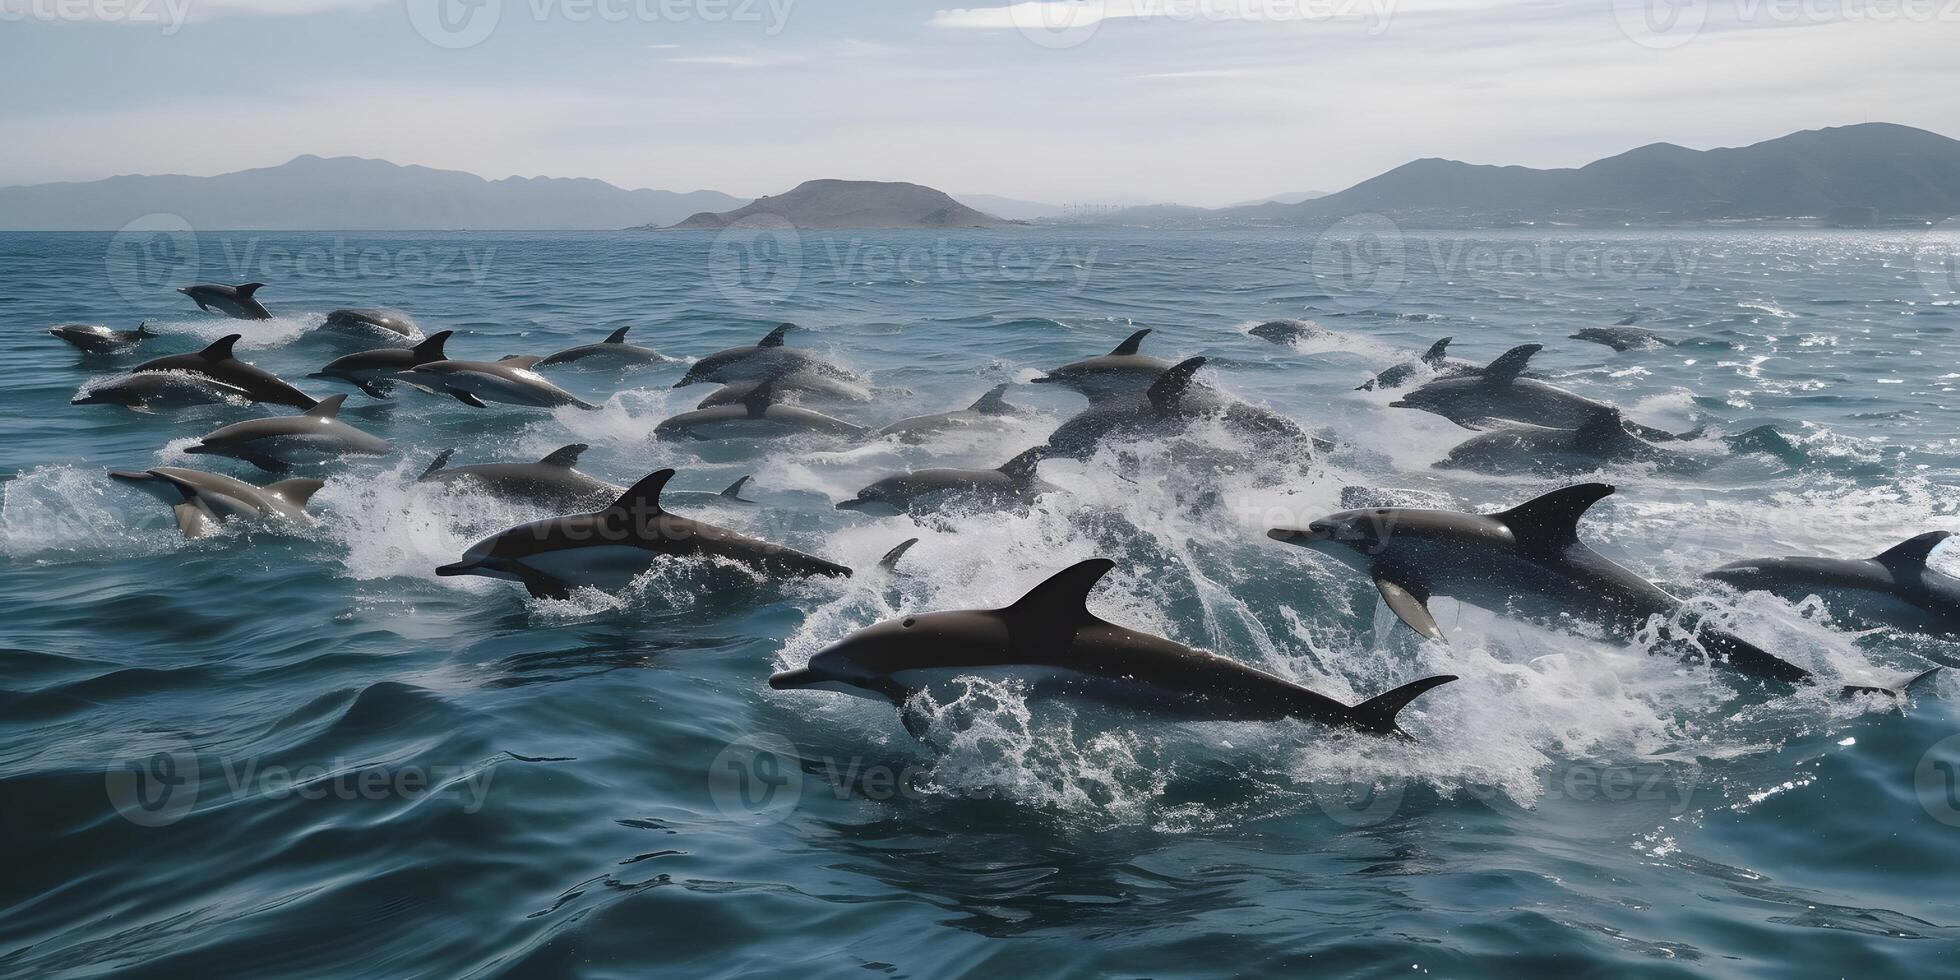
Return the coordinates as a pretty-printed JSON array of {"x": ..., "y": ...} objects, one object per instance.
[{"x": 296, "y": 750}]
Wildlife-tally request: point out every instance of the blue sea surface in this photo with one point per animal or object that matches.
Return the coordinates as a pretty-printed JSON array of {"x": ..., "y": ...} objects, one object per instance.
[{"x": 296, "y": 751}]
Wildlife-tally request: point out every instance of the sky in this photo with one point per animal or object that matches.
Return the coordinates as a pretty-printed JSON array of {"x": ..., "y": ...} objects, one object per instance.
[{"x": 1203, "y": 102}]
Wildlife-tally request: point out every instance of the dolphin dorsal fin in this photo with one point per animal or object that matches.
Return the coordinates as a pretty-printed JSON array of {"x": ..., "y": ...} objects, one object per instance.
[
  {"x": 143, "y": 329},
  {"x": 1169, "y": 388},
  {"x": 1510, "y": 364},
  {"x": 296, "y": 491},
  {"x": 1605, "y": 425},
  {"x": 1436, "y": 351},
  {"x": 1022, "y": 467},
  {"x": 890, "y": 561},
  {"x": 775, "y": 338},
  {"x": 991, "y": 403},
  {"x": 1551, "y": 522},
  {"x": 643, "y": 498},
  {"x": 565, "y": 456},
  {"x": 1911, "y": 554},
  {"x": 430, "y": 349},
  {"x": 734, "y": 491},
  {"x": 619, "y": 336},
  {"x": 436, "y": 465},
  {"x": 758, "y": 398},
  {"x": 220, "y": 349},
  {"x": 520, "y": 360},
  {"x": 246, "y": 289},
  {"x": 1130, "y": 346},
  {"x": 326, "y": 408},
  {"x": 1060, "y": 604}
]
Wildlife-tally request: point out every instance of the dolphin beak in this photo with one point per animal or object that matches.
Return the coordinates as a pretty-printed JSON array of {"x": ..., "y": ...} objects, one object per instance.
[
  {"x": 126, "y": 476},
  {"x": 790, "y": 680},
  {"x": 1400, "y": 403},
  {"x": 1043, "y": 380},
  {"x": 685, "y": 381},
  {"x": 1313, "y": 534},
  {"x": 457, "y": 568},
  {"x": 855, "y": 503},
  {"x": 199, "y": 450}
]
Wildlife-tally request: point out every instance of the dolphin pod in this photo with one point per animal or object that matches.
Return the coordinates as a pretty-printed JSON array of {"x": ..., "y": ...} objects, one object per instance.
[{"x": 1527, "y": 561}]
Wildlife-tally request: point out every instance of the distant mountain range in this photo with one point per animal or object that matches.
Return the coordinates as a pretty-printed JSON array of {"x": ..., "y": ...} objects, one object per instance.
[
  {"x": 1873, "y": 173},
  {"x": 829, "y": 204},
  {"x": 1866, "y": 173},
  {"x": 342, "y": 193}
]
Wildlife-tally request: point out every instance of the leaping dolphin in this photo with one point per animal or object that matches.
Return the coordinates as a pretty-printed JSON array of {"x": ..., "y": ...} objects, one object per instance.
[
  {"x": 238, "y": 302},
  {"x": 510, "y": 381},
  {"x": 613, "y": 352},
  {"x": 549, "y": 482},
  {"x": 1171, "y": 404},
  {"x": 218, "y": 363},
  {"x": 1531, "y": 554},
  {"x": 1501, "y": 393},
  {"x": 804, "y": 387},
  {"x": 1895, "y": 588},
  {"x": 1289, "y": 331},
  {"x": 1051, "y": 640},
  {"x": 375, "y": 371},
  {"x": 93, "y": 338},
  {"x": 934, "y": 489},
  {"x": 609, "y": 548},
  {"x": 1121, "y": 371},
  {"x": 201, "y": 500},
  {"x": 1604, "y": 441},
  {"x": 767, "y": 359},
  {"x": 758, "y": 416},
  {"x": 990, "y": 409},
  {"x": 1624, "y": 338},
  {"x": 277, "y": 444},
  {"x": 158, "y": 389}
]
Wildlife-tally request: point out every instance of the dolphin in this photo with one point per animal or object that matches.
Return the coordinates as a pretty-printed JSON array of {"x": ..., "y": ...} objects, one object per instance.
[
  {"x": 732, "y": 494},
  {"x": 159, "y": 389},
  {"x": 1434, "y": 359},
  {"x": 613, "y": 352},
  {"x": 990, "y": 409},
  {"x": 510, "y": 381},
  {"x": 800, "y": 387},
  {"x": 759, "y": 416},
  {"x": 218, "y": 363},
  {"x": 1527, "y": 560},
  {"x": 373, "y": 325},
  {"x": 549, "y": 482},
  {"x": 237, "y": 302},
  {"x": 1289, "y": 331},
  {"x": 1170, "y": 405},
  {"x": 767, "y": 359},
  {"x": 607, "y": 549},
  {"x": 201, "y": 500},
  {"x": 277, "y": 444},
  {"x": 937, "y": 489},
  {"x": 1623, "y": 338},
  {"x": 1501, "y": 394},
  {"x": 373, "y": 371},
  {"x": 1895, "y": 588},
  {"x": 1121, "y": 371},
  {"x": 1603, "y": 441},
  {"x": 1050, "y": 640},
  {"x": 92, "y": 338}
]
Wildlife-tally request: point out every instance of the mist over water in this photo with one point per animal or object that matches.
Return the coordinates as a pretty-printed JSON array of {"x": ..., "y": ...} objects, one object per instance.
[{"x": 389, "y": 773}]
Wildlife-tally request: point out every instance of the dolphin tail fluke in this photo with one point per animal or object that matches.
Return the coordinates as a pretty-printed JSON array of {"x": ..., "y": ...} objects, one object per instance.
[
  {"x": 1895, "y": 691},
  {"x": 441, "y": 460},
  {"x": 1376, "y": 715}
]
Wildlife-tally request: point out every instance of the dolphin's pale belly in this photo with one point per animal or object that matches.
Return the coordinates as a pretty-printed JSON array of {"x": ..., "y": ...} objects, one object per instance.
[
  {"x": 495, "y": 388},
  {"x": 1047, "y": 680},
  {"x": 607, "y": 567},
  {"x": 300, "y": 447}
]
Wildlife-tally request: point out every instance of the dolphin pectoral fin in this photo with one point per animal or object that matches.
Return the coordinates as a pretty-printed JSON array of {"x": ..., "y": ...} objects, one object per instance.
[
  {"x": 1895, "y": 691},
  {"x": 264, "y": 462},
  {"x": 890, "y": 562},
  {"x": 468, "y": 399},
  {"x": 192, "y": 520},
  {"x": 540, "y": 585},
  {"x": 1377, "y": 714},
  {"x": 1410, "y": 607}
]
